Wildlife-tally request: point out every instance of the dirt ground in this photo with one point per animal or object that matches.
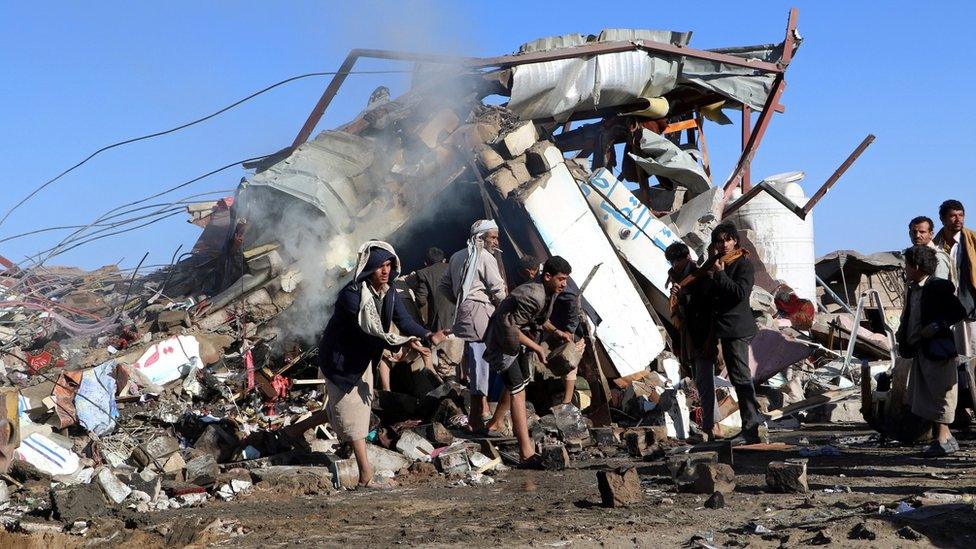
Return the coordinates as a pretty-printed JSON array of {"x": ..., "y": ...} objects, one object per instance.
[{"x": 562, "y": 509}]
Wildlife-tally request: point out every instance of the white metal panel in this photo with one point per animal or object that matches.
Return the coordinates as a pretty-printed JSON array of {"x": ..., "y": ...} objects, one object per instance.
[
  {"x": 569, "y": 229},
  {"x": 630, "y": 226}
]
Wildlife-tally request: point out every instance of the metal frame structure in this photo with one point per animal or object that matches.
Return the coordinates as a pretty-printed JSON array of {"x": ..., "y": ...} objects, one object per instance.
[{"x": 739, "y": 176}]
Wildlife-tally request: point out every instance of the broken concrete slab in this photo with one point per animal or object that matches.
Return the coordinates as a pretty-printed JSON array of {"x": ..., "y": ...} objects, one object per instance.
[
  {"x": 542, "y": 157},
  {"x": 414, "y": 447},
  {"x": 156, "y": 451},
  {"x": 319, "y": 478},
  {"x": 436, "y": 434},
  {"x": 504, "y": 181},
  {"x": 707, "y": 478},
  {"x": 620, "y": 487},
  {"x": 202, "y": 470},
  {"x": 518, "y": 140},
  {"x": 385, "y": 460},
  {"x": 80, "y": 502},
  {"x": 216, "y": 441},
  {"x": 114, "y": 489},
  {"x": 788, "y": 476}
]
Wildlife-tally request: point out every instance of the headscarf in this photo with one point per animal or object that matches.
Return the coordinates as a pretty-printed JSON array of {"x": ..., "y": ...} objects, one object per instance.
[
  {"x": 475, "y": 246},
  {"x": 372, "y": 255}
]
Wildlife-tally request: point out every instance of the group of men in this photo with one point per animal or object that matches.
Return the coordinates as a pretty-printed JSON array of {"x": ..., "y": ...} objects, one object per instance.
[
  {"x": 938, "y": 322},
  {"x": 467, "y": 298}
]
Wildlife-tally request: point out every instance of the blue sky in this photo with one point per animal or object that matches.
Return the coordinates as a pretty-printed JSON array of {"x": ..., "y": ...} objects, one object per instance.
[{"x": 78, "y": 76}]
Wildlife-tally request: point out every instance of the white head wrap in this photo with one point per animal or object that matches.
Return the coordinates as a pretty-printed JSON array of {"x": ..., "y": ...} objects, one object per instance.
[{"x": 475, "y": 247}]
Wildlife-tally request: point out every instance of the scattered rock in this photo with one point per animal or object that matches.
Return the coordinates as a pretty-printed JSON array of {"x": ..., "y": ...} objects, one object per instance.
[
  {"x": 202, "y": 470},
  {"x": 707, "y": 478},
  {"x": 422, "y": 469},
  {"x": 821, "y": 538},
  {"x": 787, "y": 476},
  {"x": 861, "y": 530},
  {"x": 436, "y": 434},
  {"x": 604, "y": 436},
  {"x": 620, "y": 487},
  {"x": 555, "y": 457},
  {"x": 907, "y": 532},
  {"x": 78, "y": 502},
  {"x": 716, "y": 501}
]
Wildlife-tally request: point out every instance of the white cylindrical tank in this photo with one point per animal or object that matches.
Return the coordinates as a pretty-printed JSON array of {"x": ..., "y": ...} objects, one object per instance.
[{"x": 783, "y": 240}]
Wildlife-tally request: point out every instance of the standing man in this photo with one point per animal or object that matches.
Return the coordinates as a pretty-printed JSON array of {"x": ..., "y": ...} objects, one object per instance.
[
  {"x": 921, "y": 230},
  {"x": 925, "y": 335},
  {"x": 734, "y": 324},
  {"x": 436, "y": 305},
  {"x": 476, "y": 286},
  {"x": 516, "y": 326},
  {"x": 960, "y": 243},
  {"x": 360, "y": 329},
  {"x": 692, "y": 313}
]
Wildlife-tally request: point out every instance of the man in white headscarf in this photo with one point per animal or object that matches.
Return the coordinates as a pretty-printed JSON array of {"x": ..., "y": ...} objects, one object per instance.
[
  {"x": 476, "y": 285},
  {"x": 360, "y": 329}
]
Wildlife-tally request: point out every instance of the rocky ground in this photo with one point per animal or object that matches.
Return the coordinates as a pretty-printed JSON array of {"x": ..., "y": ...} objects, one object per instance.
[{"x": 851, "y": 503}]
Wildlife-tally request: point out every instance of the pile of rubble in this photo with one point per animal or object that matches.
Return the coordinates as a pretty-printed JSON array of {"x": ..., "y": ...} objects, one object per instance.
[{"x": 199, "y": 380}]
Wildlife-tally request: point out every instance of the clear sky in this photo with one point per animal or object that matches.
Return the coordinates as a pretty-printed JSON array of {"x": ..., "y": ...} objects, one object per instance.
[{"x": 78, "y": 76}]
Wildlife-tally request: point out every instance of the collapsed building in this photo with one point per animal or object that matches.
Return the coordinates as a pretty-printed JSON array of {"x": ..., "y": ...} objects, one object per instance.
[{"x": 588, "y": 147}]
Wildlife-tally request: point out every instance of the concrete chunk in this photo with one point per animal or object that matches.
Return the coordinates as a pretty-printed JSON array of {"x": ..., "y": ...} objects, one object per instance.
[
  {"x": 81, "y": 502},
  {"x": 436, "y": 433},
  {"x": 414, "y": 447},
  {"x": 202, "y": 470},
  {"x": 115, "y": 490},
  {"x": 504, "y": 181},
  {"x": 604, "y": 436},
  {"x": 555, "y": 457},
  {"x": 788, "y": 476},
  {"x": 620, "y": 487},
  {"x": 518, "y": 140},
  {"x": 707, "y": 478},
  {"x": 542, "y": 157},
  {"x": 489, "y": 160},
  {"x": 155, "y": 451}
]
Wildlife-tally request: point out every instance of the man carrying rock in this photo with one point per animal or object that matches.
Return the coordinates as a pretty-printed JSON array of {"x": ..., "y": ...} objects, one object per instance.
[{"x": 516, "y": 326}]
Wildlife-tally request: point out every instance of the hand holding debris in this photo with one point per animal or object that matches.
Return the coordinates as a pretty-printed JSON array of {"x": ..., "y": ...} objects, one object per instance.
[
  {"x": 439, "y": 336},
  {"x": 540, "y": 353},
  {"x": 416, "y": 345},
  {"x": 565, "y": 336}
]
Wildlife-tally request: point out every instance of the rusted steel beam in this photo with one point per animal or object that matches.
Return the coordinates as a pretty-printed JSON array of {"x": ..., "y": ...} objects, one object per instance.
[
  {"x": 790, "y": 38},
  {"x": 746, "y": 131},
  {"x": 749, "y": 151},
  {"x": 771, "y": 191},
  {"x": 513, "y": 60},
  {"x": 837, "y": 173}
]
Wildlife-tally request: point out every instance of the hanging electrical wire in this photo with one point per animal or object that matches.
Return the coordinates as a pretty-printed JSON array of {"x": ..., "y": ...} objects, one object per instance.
[{"x": 181, "y": 127}]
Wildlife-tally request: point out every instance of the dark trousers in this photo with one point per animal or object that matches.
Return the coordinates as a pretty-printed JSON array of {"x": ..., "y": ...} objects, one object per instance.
[
  {"x": 735, "y": 351},
  {"x": 705, "y": 383}
]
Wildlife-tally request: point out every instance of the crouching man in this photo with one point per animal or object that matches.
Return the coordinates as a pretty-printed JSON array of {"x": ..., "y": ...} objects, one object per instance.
[
  {"x": 516, "y": 327},
  {"x": 925, "y": 335}
]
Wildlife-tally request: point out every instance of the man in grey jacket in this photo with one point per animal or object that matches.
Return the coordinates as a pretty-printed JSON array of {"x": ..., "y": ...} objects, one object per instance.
[{"x": 517, "y": 326}]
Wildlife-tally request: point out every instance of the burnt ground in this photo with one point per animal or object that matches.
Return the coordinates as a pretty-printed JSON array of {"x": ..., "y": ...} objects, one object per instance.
[{"x": 562, "y": 509}]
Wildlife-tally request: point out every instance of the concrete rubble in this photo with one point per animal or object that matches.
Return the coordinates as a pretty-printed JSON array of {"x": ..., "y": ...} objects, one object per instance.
[{"x": 167, "y": 389}]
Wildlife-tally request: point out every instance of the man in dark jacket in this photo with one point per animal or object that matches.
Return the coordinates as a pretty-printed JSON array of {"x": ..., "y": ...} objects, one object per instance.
[
  {"x": 697, "y": 347},
  {"x": 436, "y": 307},
  {"x": 734, "y": 324},
  {"x": 925, "y": 335},
  {"x": 354, "y": 340}
]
